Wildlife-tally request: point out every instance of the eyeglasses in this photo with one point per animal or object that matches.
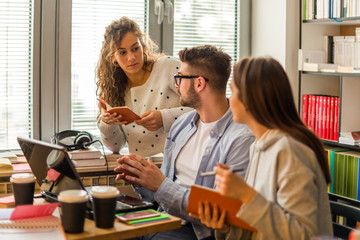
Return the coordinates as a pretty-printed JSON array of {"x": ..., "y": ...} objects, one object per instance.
[{"x": 178, "y": 78}]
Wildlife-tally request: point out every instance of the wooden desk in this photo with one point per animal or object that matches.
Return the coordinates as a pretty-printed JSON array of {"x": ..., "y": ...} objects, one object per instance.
[{"x": 124, "y": 231}]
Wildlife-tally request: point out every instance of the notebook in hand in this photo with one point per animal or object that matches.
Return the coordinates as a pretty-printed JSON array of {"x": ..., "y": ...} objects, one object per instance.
[
  {"x": 42, "y": 156},
  {"x": 127, "y": 114},
  {"x": 232, "y": 206}
]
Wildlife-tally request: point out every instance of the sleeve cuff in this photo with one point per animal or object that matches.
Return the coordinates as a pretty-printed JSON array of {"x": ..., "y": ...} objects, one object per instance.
[{"x": 253, "y": 211}]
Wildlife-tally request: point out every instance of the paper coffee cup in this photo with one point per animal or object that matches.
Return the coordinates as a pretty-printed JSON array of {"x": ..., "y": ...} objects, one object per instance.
[
  {"x": 73, "y": 209},
  {"x": 23, "y": 185},
  {"x": 73, "y": 196},
  {"x": 104, "y": 192},
  {"x": 22, "y": 178},
  {"x": 104, "y": 205}
]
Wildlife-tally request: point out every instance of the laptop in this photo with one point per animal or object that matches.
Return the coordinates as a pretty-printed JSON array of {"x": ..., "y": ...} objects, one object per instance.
[{"x": 44, "y": 158}]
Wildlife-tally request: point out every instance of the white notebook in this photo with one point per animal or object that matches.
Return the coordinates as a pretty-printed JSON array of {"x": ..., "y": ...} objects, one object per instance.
[{"x": 39, "y": 228}]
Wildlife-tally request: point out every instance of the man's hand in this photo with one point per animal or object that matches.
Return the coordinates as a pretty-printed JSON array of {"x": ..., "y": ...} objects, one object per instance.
[{"x": 139, "y": 171}]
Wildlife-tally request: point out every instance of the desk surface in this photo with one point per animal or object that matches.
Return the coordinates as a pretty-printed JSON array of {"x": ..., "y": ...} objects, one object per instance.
[{"x": 124, "y": 231}]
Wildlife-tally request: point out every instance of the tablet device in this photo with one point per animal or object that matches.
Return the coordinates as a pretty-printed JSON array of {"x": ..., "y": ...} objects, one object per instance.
[{"x": 43, "y": 156}]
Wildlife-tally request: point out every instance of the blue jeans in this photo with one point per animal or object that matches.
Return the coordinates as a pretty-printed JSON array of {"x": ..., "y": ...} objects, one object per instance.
[{"x": 186, "y": 232}]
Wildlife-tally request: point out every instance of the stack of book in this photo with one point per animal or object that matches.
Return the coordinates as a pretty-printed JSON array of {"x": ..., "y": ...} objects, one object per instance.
[
  {"x": 87, "y": 157},
  {"x": 345, "y": 172},
  {"x": 321, "y": 114},
  {"x": 350, "y": 138}
]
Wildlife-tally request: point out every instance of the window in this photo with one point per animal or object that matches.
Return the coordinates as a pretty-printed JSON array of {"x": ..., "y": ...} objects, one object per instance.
[
  {"x": 198, "y": 22},
  {"x": 89, "y": 19},
  {"x": 16, "y": 60}
]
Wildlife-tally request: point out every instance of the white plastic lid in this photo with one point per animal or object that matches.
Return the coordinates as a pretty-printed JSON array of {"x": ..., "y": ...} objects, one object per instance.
[
  {"x": 104, "y": 192},
  {"x": 22, "y": 178},
  {"x": 73, "y": 196}
]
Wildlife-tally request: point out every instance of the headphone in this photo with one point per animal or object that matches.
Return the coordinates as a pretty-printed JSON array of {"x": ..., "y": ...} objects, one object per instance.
[{"x": 73, "y": 139}]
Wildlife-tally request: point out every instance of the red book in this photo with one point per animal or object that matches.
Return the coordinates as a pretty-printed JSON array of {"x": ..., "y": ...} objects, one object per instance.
[
  {"x": 305, "y": 108},
  {"x": 309, "y": 111},
  {"x": 320, "y": 116},
  {"x": 317, "y": 127},
  {"x": 332, "y": 111},
  {"x": 327, "y": 126},
  {"x": 313, "y": 115},
  {"x": 323, "y": 115},
  {"x": 336, "y": 119}
]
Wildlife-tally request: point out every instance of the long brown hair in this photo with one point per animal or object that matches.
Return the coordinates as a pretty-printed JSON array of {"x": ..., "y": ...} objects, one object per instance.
[
  {"x": 112, "y": 81},
  {"x": 265, "y": 91}
]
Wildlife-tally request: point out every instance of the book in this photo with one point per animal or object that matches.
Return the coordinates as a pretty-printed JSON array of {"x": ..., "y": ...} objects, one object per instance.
[
  {"x": 5, "y": 164},
  {"x": 31, "y": 222},
  {"x": 153, "y": 216},
  {"x": 127, "y": 114},
  {"x": 7, "y": 201},
  {"x": 351, "y": 138},
  {"x": 113, "y": 157},
  {"x": 89, "y": 162},
  {"x": 305, "y": 108},
  {"x": 232, "y": 206},
  {"x": 89, "y": 153}
]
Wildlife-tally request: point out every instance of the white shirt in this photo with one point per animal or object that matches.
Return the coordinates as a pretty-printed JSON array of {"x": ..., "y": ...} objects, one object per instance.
[{"x": 189, "y": 158}]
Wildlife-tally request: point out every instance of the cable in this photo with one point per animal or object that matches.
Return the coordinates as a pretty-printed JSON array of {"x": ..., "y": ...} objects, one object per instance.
[{"x": 106, "y": 161}]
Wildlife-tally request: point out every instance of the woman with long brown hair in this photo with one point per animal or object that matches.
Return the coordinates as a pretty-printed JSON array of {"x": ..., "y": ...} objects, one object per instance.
[
  {"x": 285, "y": 188},
  {"x": 131, "y": 73}
]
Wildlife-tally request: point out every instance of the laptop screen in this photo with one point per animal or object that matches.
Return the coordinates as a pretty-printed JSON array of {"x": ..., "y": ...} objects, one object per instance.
[{"x": 42, "y": 156}]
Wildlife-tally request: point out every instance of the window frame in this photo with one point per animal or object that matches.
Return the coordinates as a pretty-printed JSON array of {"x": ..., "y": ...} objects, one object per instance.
[{"x": 52, "y": 59}]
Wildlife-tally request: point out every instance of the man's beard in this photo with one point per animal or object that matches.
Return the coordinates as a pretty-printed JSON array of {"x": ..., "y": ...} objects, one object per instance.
[{"x": 192, "y": 99}]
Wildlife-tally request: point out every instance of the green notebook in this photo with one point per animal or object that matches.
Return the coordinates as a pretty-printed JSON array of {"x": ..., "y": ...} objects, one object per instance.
[{"x": 145, "y": 220}]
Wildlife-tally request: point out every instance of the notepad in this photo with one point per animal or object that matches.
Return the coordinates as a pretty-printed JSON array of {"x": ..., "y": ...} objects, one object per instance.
[
  {"x": 39, "y": 228},
  {"x": 160, "y": 216},
  {"x": 5, "y": 164}
]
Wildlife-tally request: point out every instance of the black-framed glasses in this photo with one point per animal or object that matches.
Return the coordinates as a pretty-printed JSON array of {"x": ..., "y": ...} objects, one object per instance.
[{"x": 178, "y": 78}]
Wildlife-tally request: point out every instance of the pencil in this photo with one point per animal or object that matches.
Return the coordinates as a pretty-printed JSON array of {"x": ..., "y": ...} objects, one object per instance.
[{"x": 212, "y": 173}]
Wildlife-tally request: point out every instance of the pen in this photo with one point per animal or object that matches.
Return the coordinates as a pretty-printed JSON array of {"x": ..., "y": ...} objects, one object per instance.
[{"x": 212, "y": 173}]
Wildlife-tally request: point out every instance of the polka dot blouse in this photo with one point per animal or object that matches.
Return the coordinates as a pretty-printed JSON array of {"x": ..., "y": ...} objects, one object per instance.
[{"x": 158, "y": 93}]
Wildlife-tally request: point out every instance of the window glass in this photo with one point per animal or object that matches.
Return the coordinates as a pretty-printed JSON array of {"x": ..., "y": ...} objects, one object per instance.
[
  {"x": 89, "y": 19},
  {"x": 214, "y": 22},
  {"x": 16, "y": 60}
]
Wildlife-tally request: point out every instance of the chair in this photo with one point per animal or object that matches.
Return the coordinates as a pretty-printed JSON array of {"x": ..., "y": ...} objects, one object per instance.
[{"x": 352, "y": 215}]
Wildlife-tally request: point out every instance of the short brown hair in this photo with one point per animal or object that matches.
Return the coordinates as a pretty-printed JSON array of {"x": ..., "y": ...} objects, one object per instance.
[{"x": 209, "y": 62}]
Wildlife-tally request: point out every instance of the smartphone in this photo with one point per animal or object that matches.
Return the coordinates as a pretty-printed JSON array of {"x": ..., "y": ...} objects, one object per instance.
[{"x": 137, "y": 215}]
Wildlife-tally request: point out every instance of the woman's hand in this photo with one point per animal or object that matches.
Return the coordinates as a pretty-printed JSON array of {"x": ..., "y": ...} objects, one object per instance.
[
  {"x": 232, "y": 185},
  {"x": 211, "y": 218},
  {"x": 151, "y": 120},
  {"x": 107, "y": 117}
]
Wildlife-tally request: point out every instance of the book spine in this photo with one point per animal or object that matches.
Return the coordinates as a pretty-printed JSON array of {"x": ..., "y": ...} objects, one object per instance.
[
  {"x": 327, "y": 128},
  {"x": 309, "y": 111},
  {"x": 317, "y": 114},
  {"x": 358, "y": 179},
  {"x": 332, "y": 110},
  {"x": 320, "y": 115},
  {"x": 332, "y": 155},
  {"x": 305, "y": 108},
  {"x": 336, "y": 119},
  {"x": 313, "y": 115}
]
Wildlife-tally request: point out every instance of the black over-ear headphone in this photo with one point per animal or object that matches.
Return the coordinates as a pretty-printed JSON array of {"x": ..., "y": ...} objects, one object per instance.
[{"x": 73, "y": 139}]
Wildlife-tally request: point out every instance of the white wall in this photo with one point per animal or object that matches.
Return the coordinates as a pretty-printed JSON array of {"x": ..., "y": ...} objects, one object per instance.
[{"x": 275, "y": 33}]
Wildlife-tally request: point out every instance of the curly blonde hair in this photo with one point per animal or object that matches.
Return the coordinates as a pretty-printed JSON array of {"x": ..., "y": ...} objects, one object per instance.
[{"x": 112, "y": 81}]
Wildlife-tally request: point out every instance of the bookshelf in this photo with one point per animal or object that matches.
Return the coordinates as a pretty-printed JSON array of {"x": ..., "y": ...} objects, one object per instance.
[{"x": 345, "y": 85}]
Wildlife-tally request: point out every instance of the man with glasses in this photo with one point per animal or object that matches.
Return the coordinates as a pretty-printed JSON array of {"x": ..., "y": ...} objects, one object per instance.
[{"x": 197, "y": 141}]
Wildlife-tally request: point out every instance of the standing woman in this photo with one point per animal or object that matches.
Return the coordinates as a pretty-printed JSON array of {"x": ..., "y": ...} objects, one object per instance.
[
  {"x": 131, "y": 73},
  {"x": 285, "y": 188}
]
